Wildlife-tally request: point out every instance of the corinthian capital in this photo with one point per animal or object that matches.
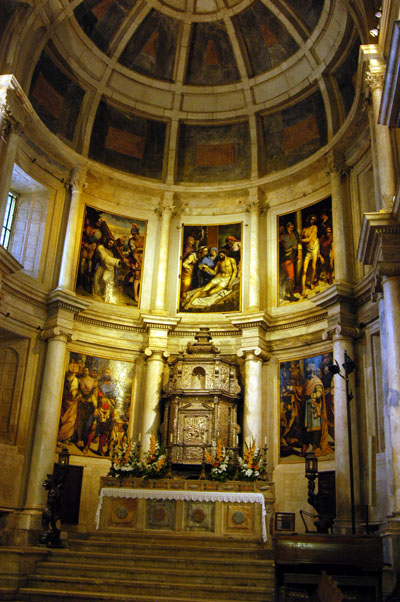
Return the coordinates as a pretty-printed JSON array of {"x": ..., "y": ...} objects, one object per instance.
[
  {"x": 375, "y": 80},
  {"x": 10, "y": 124},
  {"x": 77, "y": 179}
]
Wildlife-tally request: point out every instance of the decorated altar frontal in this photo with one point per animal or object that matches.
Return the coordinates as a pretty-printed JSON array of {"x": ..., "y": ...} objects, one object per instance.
[{"x": 229, "y": 509}]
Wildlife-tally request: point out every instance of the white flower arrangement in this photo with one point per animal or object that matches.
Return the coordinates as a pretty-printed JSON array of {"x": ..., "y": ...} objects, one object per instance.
[
  {"x": 252, "y": 465},
  {"x": 221, "y": 461}
]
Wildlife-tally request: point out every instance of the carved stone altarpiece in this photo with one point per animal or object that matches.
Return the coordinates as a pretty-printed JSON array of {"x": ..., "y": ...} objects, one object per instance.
[{"x": 201, "y": 401}]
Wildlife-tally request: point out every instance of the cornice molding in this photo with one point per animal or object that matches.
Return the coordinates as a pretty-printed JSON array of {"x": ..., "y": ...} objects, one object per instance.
[
  {"x": 379, "y": 238},
  {"x": 110, "y": 325}
]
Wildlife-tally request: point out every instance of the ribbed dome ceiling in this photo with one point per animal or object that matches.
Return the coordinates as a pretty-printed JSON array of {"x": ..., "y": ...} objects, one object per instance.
[{"x": 197, "y": 90}]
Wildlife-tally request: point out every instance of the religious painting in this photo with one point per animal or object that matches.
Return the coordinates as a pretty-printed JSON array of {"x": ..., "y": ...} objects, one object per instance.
[
  {"x": 111, "y": 258},
  {"x": 95, "y": 406},
  {"x": 210, "y": 274},
  {"x": 306, "y": 408},
  {"x": 306, "y": 252}
]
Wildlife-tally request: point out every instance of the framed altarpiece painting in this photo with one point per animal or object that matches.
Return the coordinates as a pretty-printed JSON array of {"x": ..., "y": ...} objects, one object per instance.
[
  {"x": 210, "y": 268},
  {"x": 306, "y": 399},
  {"x": 111, "y": 258},
  {"x": 96, "y": 405},
  {"x": 306, "y": 252}
]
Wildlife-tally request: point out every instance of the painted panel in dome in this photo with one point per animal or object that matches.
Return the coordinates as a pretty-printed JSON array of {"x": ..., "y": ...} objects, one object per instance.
[
  {"x": 151, "y": 50},
  {"x": 111, "y": 258},
  {"x": 210, "y": 271},
  {"x": 214, "y": 153},
  {"x": 346, "y": 77},
  {"x": 293, "y": 134},
  {"x": 211, "y": 59},
  {"x": 306, "y": 408},
  {"x": 309, "y": 11},
  {"x": 56, "y": 98},
  {"x": 96, "y": 405},
  {"x": 306, "y": 252},
  {"x": 266, "y": 41},
  {"x": 128, "y": 142},
  {"x": 101, "y": 19}
]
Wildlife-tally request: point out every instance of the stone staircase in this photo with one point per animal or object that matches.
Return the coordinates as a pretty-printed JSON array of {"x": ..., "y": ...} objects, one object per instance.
[{"x": 103, "y": 566}]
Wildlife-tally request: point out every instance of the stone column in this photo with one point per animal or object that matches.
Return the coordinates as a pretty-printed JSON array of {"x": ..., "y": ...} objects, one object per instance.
[
  {"x": 156, "y": 353},
  {"x": 166, "y": 210},
  {"x": 342, "y": 341},
  {"x": 384, "y": 153},
  {"x": 10, "y": 130},
  {"x": 380, "y": 246},
  {"x": 70, "y": 258},
  {"x": 151, "y": 410},
  {"x": 59, "y": 328},
  {"x": 339, "y": 222},
  {"x": 391, "y": 298},
  {"x": 48, "y": 416},
  {"x": 253, "y": 260},
  {"x": 253, "y": 401}
]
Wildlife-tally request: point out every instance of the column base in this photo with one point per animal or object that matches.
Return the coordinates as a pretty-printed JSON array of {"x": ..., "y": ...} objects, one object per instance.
[
  {"x": 343, "y": 526},
  {"x": 22, "y": 528}
]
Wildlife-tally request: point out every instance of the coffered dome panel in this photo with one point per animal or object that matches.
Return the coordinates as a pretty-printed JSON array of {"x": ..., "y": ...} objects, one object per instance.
[{"x": 203, "y": 91}]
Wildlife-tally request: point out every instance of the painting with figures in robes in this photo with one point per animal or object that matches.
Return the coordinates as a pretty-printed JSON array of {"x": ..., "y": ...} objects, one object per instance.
[
  {"x": 111, "y": 258},
  {"x": 306, "y": 253},
  {"x": 210, "y": 271},
  {"x": 96, "y": 405},
  {"x": 306, "y": 408}
]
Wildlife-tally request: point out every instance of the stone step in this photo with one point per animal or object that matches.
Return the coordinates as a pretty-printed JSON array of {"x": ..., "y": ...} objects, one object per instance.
[
  {"x": 61, "y": 595},
  {"x": 217, "y": 576},
  {"x": 180, "y": 548},
  {"x": 159, "y": 538},
  {"x": 77, "y": 585},
  {"x": 194, "y": 562}
]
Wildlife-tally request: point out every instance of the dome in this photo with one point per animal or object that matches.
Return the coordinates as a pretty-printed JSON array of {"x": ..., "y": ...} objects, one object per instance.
[{"x": 197, "y": 91}]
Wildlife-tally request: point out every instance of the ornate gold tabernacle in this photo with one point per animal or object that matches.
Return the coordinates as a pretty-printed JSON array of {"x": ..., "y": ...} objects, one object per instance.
[{"x": 201, "y": 401}]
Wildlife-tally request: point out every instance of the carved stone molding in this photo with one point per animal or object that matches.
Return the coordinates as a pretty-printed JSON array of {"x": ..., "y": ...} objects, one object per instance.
[
  {"x": 112, "y": 325},
  {"x": 379, "y": 239},
  {"x": 388, "y": 269},
  {"x": 62, "y": 300},
  {"x": 160, "y": 322}
]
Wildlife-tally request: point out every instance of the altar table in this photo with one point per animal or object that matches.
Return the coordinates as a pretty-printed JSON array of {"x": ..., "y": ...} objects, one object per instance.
[{"x": 209, "y": 512}]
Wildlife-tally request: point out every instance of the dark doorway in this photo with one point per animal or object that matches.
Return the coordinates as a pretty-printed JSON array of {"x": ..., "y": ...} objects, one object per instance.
[
  {"x": 326, "y": 485},
  {"x": 71, "y": 497}
]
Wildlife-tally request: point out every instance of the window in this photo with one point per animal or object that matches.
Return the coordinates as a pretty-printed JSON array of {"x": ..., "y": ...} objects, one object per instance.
[{"x": 8, "y": 220}]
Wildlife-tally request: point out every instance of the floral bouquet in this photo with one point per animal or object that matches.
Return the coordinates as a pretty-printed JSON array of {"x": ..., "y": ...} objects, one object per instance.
[
  {"x": 155, "y": 462},
  {"x": 252, "y": 465},
  {"x": 222, "y": 465},
  {"x": 126, "y": 462}
]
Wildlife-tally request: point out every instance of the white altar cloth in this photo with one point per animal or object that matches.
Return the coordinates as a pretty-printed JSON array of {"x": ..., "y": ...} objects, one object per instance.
[{"x": 199, "y": 496}]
